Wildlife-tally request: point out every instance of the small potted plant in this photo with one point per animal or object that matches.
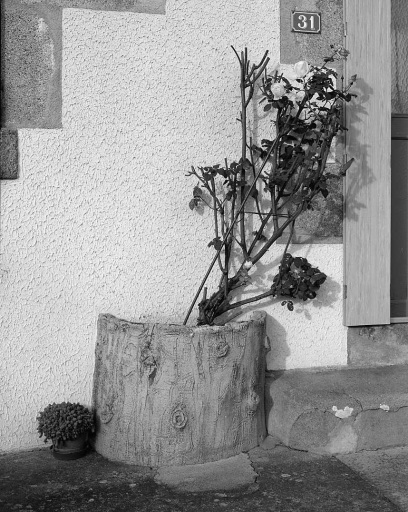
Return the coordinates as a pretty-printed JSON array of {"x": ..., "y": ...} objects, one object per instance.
[{"x": 68, "y": 426}]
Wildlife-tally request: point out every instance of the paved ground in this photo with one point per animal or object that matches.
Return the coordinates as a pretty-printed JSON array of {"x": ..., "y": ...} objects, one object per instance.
[
  {"x": 287, "y": 480},
  {"x": 387, "y": 470}
]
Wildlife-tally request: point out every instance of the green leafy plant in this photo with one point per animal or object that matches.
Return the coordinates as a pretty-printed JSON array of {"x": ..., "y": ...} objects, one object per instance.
[
  {"x": 64, "y": 421},
  {"x": 272, "y": 183}
]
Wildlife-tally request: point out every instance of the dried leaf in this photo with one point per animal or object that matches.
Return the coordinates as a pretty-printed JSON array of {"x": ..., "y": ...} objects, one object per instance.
[{"x": 197, "y": 192}]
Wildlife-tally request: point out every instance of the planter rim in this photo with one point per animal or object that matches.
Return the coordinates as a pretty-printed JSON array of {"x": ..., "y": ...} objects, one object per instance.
[
  {"x": 256, "y": 317},
  {"x": 200, "y": 390}
]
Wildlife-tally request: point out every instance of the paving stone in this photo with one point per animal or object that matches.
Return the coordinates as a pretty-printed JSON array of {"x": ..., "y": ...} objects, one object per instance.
[
  {"x": 228, "y": 474},
  {"x": 270, "y": 442},
  {"x": 387, "y": 470}
]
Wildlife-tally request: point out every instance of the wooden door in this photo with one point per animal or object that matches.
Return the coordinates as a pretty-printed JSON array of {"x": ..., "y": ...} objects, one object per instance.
[
  {"x": 367, "y": 233},
  {"x": 399, "y": 217}
]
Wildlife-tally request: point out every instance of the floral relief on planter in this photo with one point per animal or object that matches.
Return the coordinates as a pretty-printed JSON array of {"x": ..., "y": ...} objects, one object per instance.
[{"x": 172, "y": 394}]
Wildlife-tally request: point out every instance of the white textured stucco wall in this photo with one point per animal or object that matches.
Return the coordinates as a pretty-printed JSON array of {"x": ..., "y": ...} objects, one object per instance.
[{"x": 99, "y": 219}]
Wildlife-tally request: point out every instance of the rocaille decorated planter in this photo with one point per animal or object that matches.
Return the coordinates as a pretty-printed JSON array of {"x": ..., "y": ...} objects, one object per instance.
[{"x": 172, "y": 394}]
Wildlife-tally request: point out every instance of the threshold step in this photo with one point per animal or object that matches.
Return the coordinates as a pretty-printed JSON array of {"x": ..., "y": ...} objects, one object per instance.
[{"x": 336, "y": 411}]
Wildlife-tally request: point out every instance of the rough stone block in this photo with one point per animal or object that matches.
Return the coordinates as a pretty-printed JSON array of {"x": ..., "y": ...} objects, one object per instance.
[
  {"x": 323, "y": 224},
  {"x": 326, "y": 218},
  {"x": 378, "y": 345},
  {"x": 311, "y": 430},
  {"x": 8, "y": 154},
  {"x": 339, "y": 411},
  {"x": 148, "y": 6},
  {"x": 31, "y": 56},
  {"x": 31, "y": 65},
  {"x": 382, "y": 428},
  {"x": 297, "y": 46}
]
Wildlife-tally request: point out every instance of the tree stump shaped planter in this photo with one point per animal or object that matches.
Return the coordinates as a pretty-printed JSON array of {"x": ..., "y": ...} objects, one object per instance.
[{"x": 172, "y": 394}]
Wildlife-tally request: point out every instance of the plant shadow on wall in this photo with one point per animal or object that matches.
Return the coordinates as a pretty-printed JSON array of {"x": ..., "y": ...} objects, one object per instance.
[
  {"x": 327, "y": 297},
  {"x": 257, "y": 198},
  {"x": 358, "y": 180}
]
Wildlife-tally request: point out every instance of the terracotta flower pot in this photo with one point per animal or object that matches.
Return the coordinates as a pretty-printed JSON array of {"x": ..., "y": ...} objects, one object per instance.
[{"x": 71, "y": 449}]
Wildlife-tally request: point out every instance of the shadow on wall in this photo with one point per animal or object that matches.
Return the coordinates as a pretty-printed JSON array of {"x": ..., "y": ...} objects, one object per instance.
[
  {"x": 261, "y": 281},
  {"x": 358, "y": 180},
  {"x": 277, "y": 336},
  {"x": 328, "y": 297}
]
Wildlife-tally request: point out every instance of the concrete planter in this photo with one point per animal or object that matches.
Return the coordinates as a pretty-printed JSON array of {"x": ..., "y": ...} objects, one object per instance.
[{"x": 172, "y": 394}]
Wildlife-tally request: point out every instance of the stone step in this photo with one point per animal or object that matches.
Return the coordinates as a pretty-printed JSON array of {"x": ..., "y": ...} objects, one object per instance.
[{"x": 339, "y": 411}]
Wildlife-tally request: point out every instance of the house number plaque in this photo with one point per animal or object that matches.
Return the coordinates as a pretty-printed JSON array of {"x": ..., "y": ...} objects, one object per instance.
[{"x": 308, "y": 22}]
